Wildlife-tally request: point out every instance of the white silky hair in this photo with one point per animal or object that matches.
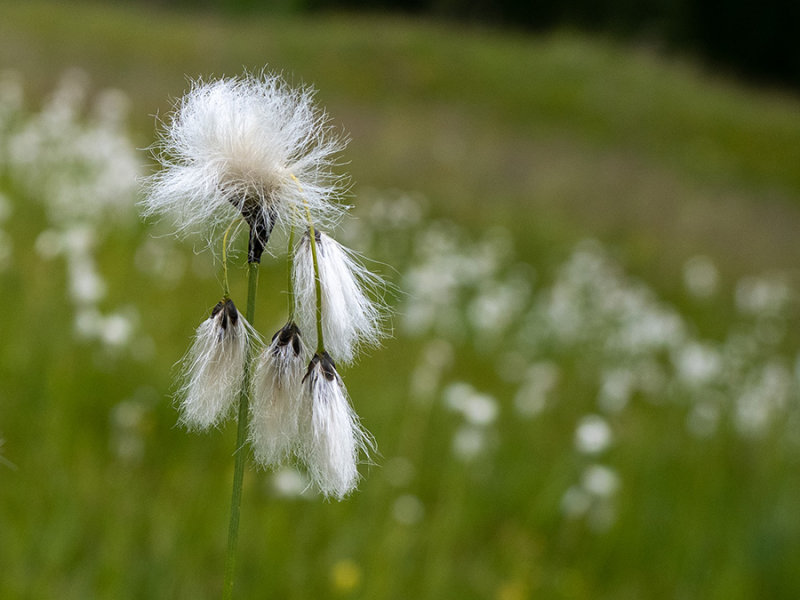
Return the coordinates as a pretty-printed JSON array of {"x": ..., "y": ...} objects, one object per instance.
[
  {"x": 276, "y": 402},
  {"x": 334, "y": 438},
  {"x": 244, "y": 140},
  {"x": 352, "y": 313},
  {"x": 213, "y": 368}
]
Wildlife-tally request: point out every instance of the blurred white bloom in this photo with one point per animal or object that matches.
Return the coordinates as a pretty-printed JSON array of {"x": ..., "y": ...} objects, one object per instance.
[
  {"x": 479, "y": 412},
  {"x": 446, "y": 269},
  {"x": 86, "y": 285},
  {"x": 49, "y": 243},
  {"x": 456, "y": 394},
  {"x": 700, "y": 276},
  {"x": 78, "y": 162},
  {"x": 469, "y": 442},
  {"x": 698, "y": 363},
  {"x": 765, "y": 394},
  {"x": 759, "y": 295},
  {"x": 497, "y": 306},
  {"x": 88, "y": 323},
  {"x": 275, "y": 406},
  {"x": 213, "y": 369},
  {"x": 335, "y": 437},
  {"x": 703, "y": 418},
  {"x": 477, "y": 409},
  {"x": 593, "y": 435},
  {"x": 576, "y": 502},
  {"x": 434, "y": 358},
  {"x": 592, "y": 301},
  {"x": 616, "y": 389},
  {"x": 532, "y": 396},
  {"x": 643, "y": 323},
  {"x": 408, "y": 509},
  {"x": 600, "y": 480},
  {"x": 111, "y": 108},
  {"x": 288, "y": 482},
  {"x": 593, "y": 499},
  {"x": 117, "y": 329},
  {"x": 126, "y": 439},
  {"x": 432, "y": 288},
  {"x": 397, "y": 211},
  {"x": 252, "y": 145},
  {"x": 83, "y": 170},
  {"x": 351, "y": 319}
]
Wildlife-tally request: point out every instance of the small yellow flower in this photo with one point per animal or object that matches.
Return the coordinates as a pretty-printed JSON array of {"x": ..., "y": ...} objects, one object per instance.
[
  {"x": 514, "y": 589},
  {"x": 345, "y": 576}
]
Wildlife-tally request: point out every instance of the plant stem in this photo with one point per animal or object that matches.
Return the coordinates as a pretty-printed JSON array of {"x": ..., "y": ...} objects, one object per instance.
[
  {"x": 313, "y": 238},
  {"x": 290, "y": 271},
  {"x": 312, "y": 234},
  {"x": 241, "y": 438},
  {"x": 225, "y": 287}
]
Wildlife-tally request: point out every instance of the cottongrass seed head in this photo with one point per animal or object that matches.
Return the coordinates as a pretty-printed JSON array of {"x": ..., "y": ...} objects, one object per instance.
[
  {"x": 276, "y": 402},
  {"x": 352, "y": 316},
  {"x": 213, "y": 369},
  {"x": 334, "y": 439},
  {"x": 252, "y": 144}
]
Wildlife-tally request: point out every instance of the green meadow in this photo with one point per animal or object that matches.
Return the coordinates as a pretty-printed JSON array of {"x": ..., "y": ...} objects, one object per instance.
[{"x": 592, "y": 381}]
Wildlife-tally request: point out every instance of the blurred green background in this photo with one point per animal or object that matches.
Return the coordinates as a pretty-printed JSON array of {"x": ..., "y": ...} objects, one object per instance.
[{"x": 592, "y": 386}]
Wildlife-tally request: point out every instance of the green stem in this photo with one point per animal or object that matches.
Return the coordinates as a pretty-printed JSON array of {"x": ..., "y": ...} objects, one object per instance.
[
  {"x": 225, "y": 287},
  {"x": 313, "y": 236},
  {"x": 290, "y": 269},
  {"x": 241, "y": 438}
]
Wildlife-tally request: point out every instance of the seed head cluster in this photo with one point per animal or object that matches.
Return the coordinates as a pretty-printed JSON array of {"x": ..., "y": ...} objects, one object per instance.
[
  {"x": 351, "y": 319},
  {"x": 253, "y": 151},
  {"x": 242, "y": 145},
  {"x": 214, "y": 367}
]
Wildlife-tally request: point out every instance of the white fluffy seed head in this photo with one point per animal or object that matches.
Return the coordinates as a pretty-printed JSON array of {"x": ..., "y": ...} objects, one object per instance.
[
  {"x": 239, "y": 143},
  {"x": 213, "y": 369},
  {"x": 276, "y": 402},
  {"x": 352, "y": 313},
  {"x": 334, "y": 438}
]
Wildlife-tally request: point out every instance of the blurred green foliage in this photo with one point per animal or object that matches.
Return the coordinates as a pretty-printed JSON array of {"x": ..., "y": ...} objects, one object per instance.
[
  {"x": 758, "y": 42},
  {"x": 509, "y": 150}
]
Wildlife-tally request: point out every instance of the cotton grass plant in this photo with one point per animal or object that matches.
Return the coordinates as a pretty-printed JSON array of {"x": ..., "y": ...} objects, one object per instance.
[
  {"x": 72, "y": 158},
  {"x": 253, "y": 152}
]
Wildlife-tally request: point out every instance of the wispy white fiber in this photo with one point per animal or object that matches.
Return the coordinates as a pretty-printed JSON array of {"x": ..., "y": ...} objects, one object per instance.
[
  {"x": 237, "y": 144},
  {"x": 351, "y": 310},
  {"x": 276, "y": 403},
  {"x": 213, "y": 369},
  {"x": 335, "y": 438}
]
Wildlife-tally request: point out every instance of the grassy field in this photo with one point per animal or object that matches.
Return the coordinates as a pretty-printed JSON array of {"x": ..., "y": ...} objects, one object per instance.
[{"x": 592, "y": 386}]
